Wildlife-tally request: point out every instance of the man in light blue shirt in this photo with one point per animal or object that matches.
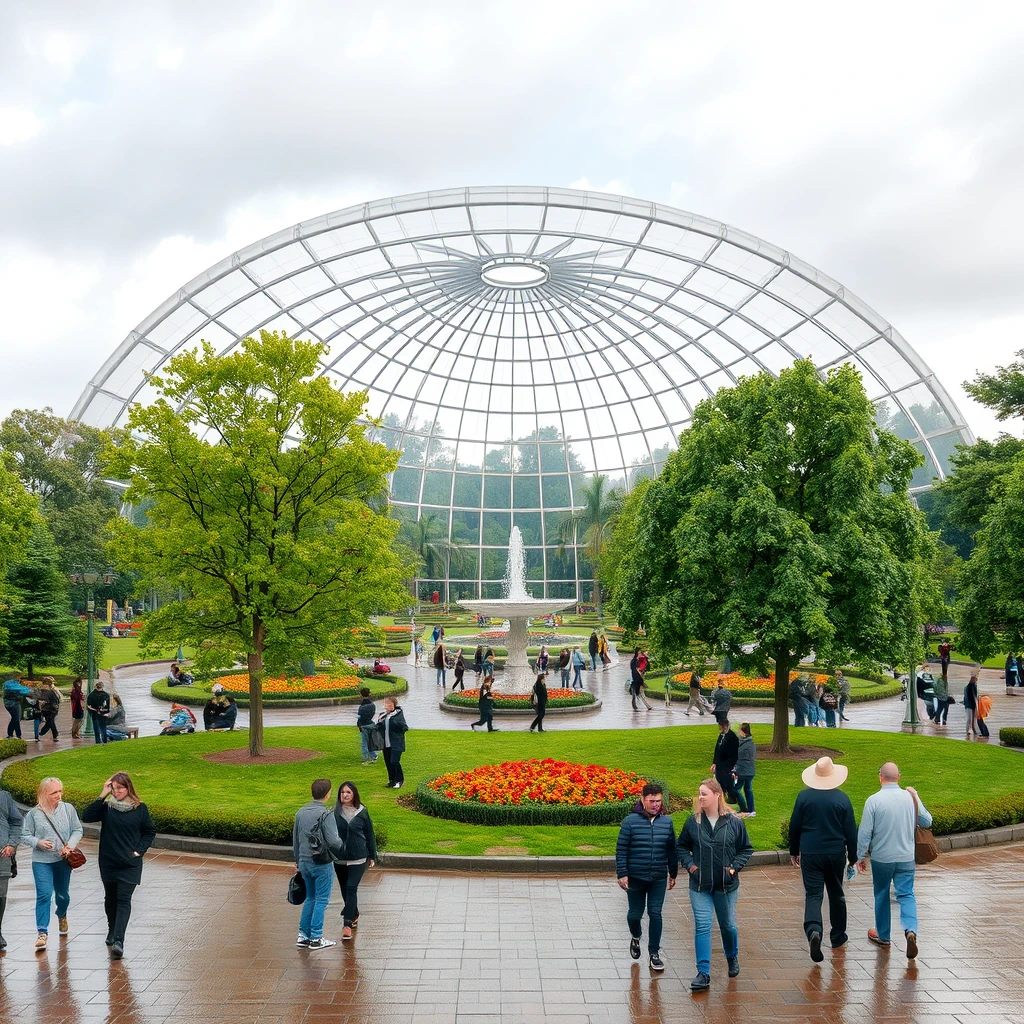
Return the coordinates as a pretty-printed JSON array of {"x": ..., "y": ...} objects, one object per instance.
[{"x": 887, "y": 833}]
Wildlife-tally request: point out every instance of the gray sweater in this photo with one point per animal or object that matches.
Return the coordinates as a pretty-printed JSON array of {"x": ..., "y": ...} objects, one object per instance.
[
  {"x": 305, "y": 818},
  {"x": 745, "y": 758},
  {"x": 36, "y": 827},
  {"x": 10, "y": 830}
]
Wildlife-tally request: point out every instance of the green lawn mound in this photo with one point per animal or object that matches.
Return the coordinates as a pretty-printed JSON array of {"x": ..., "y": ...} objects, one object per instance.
[
  {"x": 199, "y": 693},
  {"x": 967, "y": 786}
]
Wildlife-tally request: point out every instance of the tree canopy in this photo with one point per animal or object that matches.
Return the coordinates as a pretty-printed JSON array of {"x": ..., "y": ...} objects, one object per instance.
[
  {"x": 263, "y": 509},
  {"x": 783, "y": 519},
  {"x": 1002, "y": 391}
]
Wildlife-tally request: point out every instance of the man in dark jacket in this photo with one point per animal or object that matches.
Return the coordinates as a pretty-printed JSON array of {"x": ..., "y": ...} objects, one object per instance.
[
  {"x": 723, "y": 761},
  {"x": 798, "y": 701},
  {"x": 365, "y": 724},
  {"x": 646, "y": 865},
  {"x": 722, "y": 699},
  {"x": 822, "y": 841},
  {"x": 592, "y": 646},
  {"x": 98, "y": 703}
]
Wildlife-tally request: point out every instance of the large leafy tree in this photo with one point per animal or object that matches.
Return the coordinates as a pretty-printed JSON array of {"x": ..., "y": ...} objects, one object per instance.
[
  {"x": 783, "y": 519},
  {"x": 263, "y": 509},
  {"x": 37, "y": 622},
  {"x": 1002, "y": 391},
  {"x": 591, "y": 523}
]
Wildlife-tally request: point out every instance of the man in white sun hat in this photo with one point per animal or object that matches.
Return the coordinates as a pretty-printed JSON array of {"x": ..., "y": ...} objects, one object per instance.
[{"x": 822, "y": 841}]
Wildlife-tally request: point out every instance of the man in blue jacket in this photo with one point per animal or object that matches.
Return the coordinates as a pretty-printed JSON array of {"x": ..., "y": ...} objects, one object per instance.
[{"x": 646, "y": 864}]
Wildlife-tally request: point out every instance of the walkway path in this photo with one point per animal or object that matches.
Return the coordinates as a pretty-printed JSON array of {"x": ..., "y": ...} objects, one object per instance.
[{"x": 211, "y": 942}]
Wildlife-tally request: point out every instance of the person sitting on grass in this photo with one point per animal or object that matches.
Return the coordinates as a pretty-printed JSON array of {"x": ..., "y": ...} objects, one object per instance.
[
  {"x": 181, "y": 720},
  {"x": 227, "y": 713}
]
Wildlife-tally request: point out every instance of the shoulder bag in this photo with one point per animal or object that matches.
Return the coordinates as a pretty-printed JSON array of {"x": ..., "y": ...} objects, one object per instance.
[
  {"x": 925, "y": 847},
  {"x": 74, "y": 857}
]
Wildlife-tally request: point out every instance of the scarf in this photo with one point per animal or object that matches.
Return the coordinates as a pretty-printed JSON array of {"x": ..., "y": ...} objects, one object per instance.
[{"x": 120, "y": 805}]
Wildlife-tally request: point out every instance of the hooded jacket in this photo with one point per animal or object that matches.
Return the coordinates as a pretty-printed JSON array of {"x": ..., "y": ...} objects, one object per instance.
[
  {"x": 646, "y": 848},
  {"x": 714, "y": 851}
]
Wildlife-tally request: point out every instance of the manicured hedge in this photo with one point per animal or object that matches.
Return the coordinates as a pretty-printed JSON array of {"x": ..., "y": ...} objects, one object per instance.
[
  {"x": 581, "y": 699},
  {"x": 12, "y": 747},
  {"x": 1012, "y": 737},
  {"x": 21, "y": 781},
  {"x": 438, "y": 806},
  {"x": 199, "y": 693}
]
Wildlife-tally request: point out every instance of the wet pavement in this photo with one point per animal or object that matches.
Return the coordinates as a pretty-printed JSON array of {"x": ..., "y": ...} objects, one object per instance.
[{"x": 211, "y": 940}]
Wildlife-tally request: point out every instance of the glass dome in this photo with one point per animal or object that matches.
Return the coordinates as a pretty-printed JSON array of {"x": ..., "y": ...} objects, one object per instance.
[{"x": 514, "y": 342}]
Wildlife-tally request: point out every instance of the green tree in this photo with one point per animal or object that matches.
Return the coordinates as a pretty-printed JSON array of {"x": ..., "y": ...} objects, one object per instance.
[
  {"x": 1002, "y": 391},
  {"x": 37, "y": 622},
  {"x": 783, "y": 519},
  {"x": 590, "y": 524},
  {"x": 262, "y": 487},
  {"x": 435, "y": 554},
  {"x": 76, "y": 657}
]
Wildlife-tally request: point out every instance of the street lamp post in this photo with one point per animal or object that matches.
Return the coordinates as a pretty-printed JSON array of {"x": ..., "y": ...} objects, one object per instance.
[
  {"x": 912, "y": 720},
  {"x": 89, "y": 579}
]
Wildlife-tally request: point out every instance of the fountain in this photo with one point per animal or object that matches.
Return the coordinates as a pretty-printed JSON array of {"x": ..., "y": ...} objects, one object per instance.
[{"x": 518, "y": 607}]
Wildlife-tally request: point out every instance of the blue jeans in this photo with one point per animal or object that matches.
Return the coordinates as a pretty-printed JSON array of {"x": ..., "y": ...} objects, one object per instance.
[
  {"x": 14, "y": 726},
  {"x": 319, "y": 879},
  {"x": 99, "y": 726},
  {"x": 51, "y": 880},
  {"x": 707, "y": 905},
  {"x": 565, "y": 677},
  {"x": 364, "y": 735},
  {"x": 577, "y": 678},
  {"x": 830, "y": 718},
  {"x": 651, "y": 892},
  {"x": 745, "y": 792},
  {"x": 442, "y": 678},
  {"x": 593, "y": 663},
  {"x": 900, "y": 875}
]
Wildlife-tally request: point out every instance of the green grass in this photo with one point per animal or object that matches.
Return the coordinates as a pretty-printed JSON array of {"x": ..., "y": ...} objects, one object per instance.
[{"x": 169, "y": 770}]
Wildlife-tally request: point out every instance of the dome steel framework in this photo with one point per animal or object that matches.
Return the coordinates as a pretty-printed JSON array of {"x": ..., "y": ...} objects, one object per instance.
[{"x": 516, "y": 341}]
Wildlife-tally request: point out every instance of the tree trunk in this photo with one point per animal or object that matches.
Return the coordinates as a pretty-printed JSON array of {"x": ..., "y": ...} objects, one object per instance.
[
  {"x": 780, "y": 735},
  {"x": 28, "y": 665},
  {"x": 255, "y": 661}
]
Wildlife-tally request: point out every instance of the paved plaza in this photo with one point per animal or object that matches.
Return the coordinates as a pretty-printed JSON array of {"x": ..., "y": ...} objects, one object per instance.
[{"x": 211, "y": 940}]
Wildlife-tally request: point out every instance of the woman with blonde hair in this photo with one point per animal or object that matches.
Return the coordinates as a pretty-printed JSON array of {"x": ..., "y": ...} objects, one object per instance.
[
  {"x": 53, "y": 830},
  {"x": 713, "y": 848},
  {"x": 127, "y": 832}
]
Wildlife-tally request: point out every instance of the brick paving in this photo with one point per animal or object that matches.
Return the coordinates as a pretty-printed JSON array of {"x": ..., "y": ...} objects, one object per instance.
[{"x": 211, "y": 940}]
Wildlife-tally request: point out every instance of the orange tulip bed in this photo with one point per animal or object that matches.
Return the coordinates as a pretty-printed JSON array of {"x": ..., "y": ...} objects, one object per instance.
[
  {"x": 532, "y": 792},
  {"x": 321, "y": 685},
  {"x": 742, "y": 686},
  {"x": 557, "y": 698}
]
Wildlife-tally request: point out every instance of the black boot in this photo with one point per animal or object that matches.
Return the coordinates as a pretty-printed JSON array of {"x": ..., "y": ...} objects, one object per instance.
[{"x": 3, "y": 907}]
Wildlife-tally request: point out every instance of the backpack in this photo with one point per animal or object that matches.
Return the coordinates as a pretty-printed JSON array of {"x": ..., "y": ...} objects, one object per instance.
[{"x": 317, "y": 842}]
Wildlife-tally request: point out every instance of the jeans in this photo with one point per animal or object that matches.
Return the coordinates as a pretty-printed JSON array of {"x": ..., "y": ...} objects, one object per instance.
[
  {"x": 117, "y": 904},
  {"x": 113, "y": 735},
  {"x": 14, "y": 725},
  {"x": 565, "y": 677},
  {"x": 651, "y": 892},
  {"x": 799, "y": 711},
  {"x": 823, "y": 871},
  {"x": 99, "y": 726},
  {"x": 723, "y": 906},
  {"x": 319, "y": 879},
  {"x": 577, "y": 679},
  {"x": 393, "y": 762},
  {"x": 349, "y": 877},
  {"x": 830, "y": 718},
  {"x": 941, "y": 710},
  {"x": 593, "y": 663},
  {"x": 51, "y": 880},
  {"x": 900, "y": 875},
  {"x": 745, "y": 792},
  {"x": 842, "y": 709},
  {"x": 364, "y": 735},
  {"x": 442, "y": 678}
]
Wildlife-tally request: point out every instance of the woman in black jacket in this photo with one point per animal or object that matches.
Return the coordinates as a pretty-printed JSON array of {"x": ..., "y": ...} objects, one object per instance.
[
  {"x": 127, "y": 833},
  {"x": 485, "y": 702},
  {"x": 713, "y": 848},
  {"x": 971, "y": 705},
  {"x": 460, "y": 671},
  {"x": 356, "y": 831},
  {"x": 540, "y": 702},
  {"x": 392, "y": 727}
]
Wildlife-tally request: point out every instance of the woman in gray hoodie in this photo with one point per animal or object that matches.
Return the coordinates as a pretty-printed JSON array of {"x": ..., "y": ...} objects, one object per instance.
[{"x": 744, "y": 772}]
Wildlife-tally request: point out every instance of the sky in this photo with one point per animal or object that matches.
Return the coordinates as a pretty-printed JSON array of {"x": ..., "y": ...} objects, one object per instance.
[{"x": 141, "y": 143}]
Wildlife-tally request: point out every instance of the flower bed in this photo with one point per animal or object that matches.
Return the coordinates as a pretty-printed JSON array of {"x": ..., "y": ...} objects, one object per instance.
[
  {"x": 532, "y": 792},
  {"x": 521, "y": 701},
  {"x": 321, "y": 685},
  {"x": 763, "y": 686},
  {"x": 284, "y": 692}
]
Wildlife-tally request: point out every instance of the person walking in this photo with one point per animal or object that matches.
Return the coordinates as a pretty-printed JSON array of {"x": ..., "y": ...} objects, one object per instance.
[
  {"x": 126, "y": 833},
  {"x": 646, "y": 865},
  {"x": 53, "y": 830},
  {"x": 722, "y": 699},
  {"x": 489, "y": 666},
  {"x": 944, "y": 652},
  {"x": 440, "y": 665},
  {"x": 713, "y": 849},
  {"x": 460, "y": 672},
  {"x": 636, "y": 681},
  {"x": 602, "y": 650},
  {"x": 829, "y": 702},
  {"x": 942, "y": 701},
  {"x": 541, "y": 664},
  {"x": 984, "y": 710},
  {"x": 563, "y": 666},
  {"x": 539, "y": 699},
  {"x": 77, "y": 708},
  {"x": 577, "y": 667},
  {"x": 355, "y": 830},
  {"x": 744, "y": 771},
  {"x": 98, "y": 703},
  {"x": 822, "y": 841},
  {"x": 723, "y": 761},
  {"x": 10, "y": 835},
  {"x": 886, "y": 832},
  {"x": 392, "y": 727},
  {"x": 316, "y": 845},
  {"x": 1010, "y": 675},
  {"x": 798, "y": 702},
  {"x": 478, "y": 662},
  {"x": 485, "y": 704},
  {"x": 971, "y": 704},
  {"x": 14, "y": 694},
  {"x": 364, "y": 723},
  {"x": 695, "y": 698},
  {"x": 592, "y": 646},
  {"x": 49, "y": 707},
  {"x": 843, "y": 687}
]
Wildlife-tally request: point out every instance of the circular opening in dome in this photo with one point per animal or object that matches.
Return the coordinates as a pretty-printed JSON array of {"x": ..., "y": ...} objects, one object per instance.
[{"x": 514, "y": 272}]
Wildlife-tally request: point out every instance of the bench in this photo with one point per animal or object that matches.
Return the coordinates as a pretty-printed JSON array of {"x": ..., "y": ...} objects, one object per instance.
[{"x": 131, "y": 731}]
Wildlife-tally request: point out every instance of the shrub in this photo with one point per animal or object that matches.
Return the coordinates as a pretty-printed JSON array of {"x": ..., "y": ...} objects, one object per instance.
[
  {"x": 1012, "y": 737},
  {"x": 521, "y": 701},
  {"x": 12, "y": 747}
]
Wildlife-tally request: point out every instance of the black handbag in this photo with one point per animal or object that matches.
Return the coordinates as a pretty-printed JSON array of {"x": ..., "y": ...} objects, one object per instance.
[
  {"x": 375, "y": 739},
  {"x": 297, "y": 889}
]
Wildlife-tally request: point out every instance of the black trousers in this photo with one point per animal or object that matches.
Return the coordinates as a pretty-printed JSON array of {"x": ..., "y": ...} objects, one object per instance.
[
  {"x": 538, "y": 722},
  {"x": 117, "y": 904},
  {"x": 824, "y": 871},
  {"x": 49, "y": 723},
  {"x": 393, "y": 763},
  {"x": 349, "y": 877}
]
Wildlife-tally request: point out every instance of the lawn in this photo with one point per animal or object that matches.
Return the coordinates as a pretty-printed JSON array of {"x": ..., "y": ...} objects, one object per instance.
[
  {"x": 169, "y": 771},
  {"x": 119, "y": 651}
]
